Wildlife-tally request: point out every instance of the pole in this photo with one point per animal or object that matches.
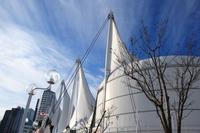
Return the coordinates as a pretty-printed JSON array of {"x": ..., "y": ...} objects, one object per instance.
[
  {"x": 73, "y": 92},
  {"x": 100, "y": 122},
  {"x": 107, "y": 63},
  {"x": 25, "y": 113},
  {"x": 117, "y": 122}
]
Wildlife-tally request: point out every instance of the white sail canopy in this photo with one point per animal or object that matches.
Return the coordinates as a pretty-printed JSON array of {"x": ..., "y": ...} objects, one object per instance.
[
  {"x": 115, "y": 47},
  {"x": 64, "y": 116},
  {"x": 85, "y": 101},
  {"x": 56, "y": 116}
]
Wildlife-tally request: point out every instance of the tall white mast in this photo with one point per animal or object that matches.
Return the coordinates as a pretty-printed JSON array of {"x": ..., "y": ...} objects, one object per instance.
[
  {"x": 73, "y": 91},
  {"x": 107, "y": 61}
]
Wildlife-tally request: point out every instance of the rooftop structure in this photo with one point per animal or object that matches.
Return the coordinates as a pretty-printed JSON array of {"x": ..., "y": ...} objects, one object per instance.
[{"x": 46, "y": 103}]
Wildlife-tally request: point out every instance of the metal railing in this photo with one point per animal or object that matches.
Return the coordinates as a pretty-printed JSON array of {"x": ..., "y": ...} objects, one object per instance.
[{"x": 151, "y": 129}]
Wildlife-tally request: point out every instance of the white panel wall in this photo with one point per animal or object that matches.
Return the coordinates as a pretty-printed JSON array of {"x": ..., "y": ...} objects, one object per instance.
[{"x": 135, "y": 111}]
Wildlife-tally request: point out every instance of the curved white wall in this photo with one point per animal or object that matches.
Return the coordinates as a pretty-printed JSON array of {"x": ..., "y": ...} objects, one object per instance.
[{"x": 135, "y": 111}]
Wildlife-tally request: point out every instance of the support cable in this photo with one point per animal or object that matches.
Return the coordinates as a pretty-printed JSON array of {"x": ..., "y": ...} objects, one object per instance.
[
  {"x": 133, "y": 106},
  {"x": 68, "y": 84}
]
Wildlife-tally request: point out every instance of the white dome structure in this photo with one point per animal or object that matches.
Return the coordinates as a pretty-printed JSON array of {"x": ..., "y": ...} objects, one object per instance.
[{"x": 134, "y": 113}]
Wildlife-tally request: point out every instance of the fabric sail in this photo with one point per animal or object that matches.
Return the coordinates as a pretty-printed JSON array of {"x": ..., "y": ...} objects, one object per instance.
[
  {"x": 56, "y": 116},
  {"x": 85, "y": 101},
  {"x": 64, "y": 116},
  {"x": 117, "y": 48}
]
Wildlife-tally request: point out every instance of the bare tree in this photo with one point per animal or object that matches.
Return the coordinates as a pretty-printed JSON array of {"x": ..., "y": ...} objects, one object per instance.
[
  {"x": 151, "y": 74},
  {"x": 184, "y": 78},
  {"x": 86, "y": 125},
  {"x": 105, "y": 114}
]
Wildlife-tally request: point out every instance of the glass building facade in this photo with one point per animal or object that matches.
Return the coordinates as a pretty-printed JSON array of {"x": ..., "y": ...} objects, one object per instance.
[{"x": 12, "y": 120}]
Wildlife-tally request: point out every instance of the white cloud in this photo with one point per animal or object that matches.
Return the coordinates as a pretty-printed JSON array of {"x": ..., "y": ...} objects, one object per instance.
[{"x": 23, "y": 61}]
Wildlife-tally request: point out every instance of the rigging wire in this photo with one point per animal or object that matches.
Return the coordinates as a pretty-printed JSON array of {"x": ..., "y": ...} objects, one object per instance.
[
  {"x": 76, "y": 71},
  {"x": 69, "y": 73},
  {"x": 133, "y": 105},
  {"x": 60, "y": 90}
]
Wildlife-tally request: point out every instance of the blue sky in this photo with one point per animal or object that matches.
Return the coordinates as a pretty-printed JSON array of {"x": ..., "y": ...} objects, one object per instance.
[{"x": 36, "y": 36}]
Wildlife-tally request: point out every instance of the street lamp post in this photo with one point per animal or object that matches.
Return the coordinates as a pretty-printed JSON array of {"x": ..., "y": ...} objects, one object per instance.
[
  {"x": 51, "y": 77},
  {"x": 173, "y": 126},
  {"x": 117, "y": 117}
]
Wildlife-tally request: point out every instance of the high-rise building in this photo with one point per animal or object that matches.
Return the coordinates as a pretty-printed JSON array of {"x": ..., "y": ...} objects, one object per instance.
[
  {"x": 12, "y": 120},
  {"x": 46, "y": 104}
]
